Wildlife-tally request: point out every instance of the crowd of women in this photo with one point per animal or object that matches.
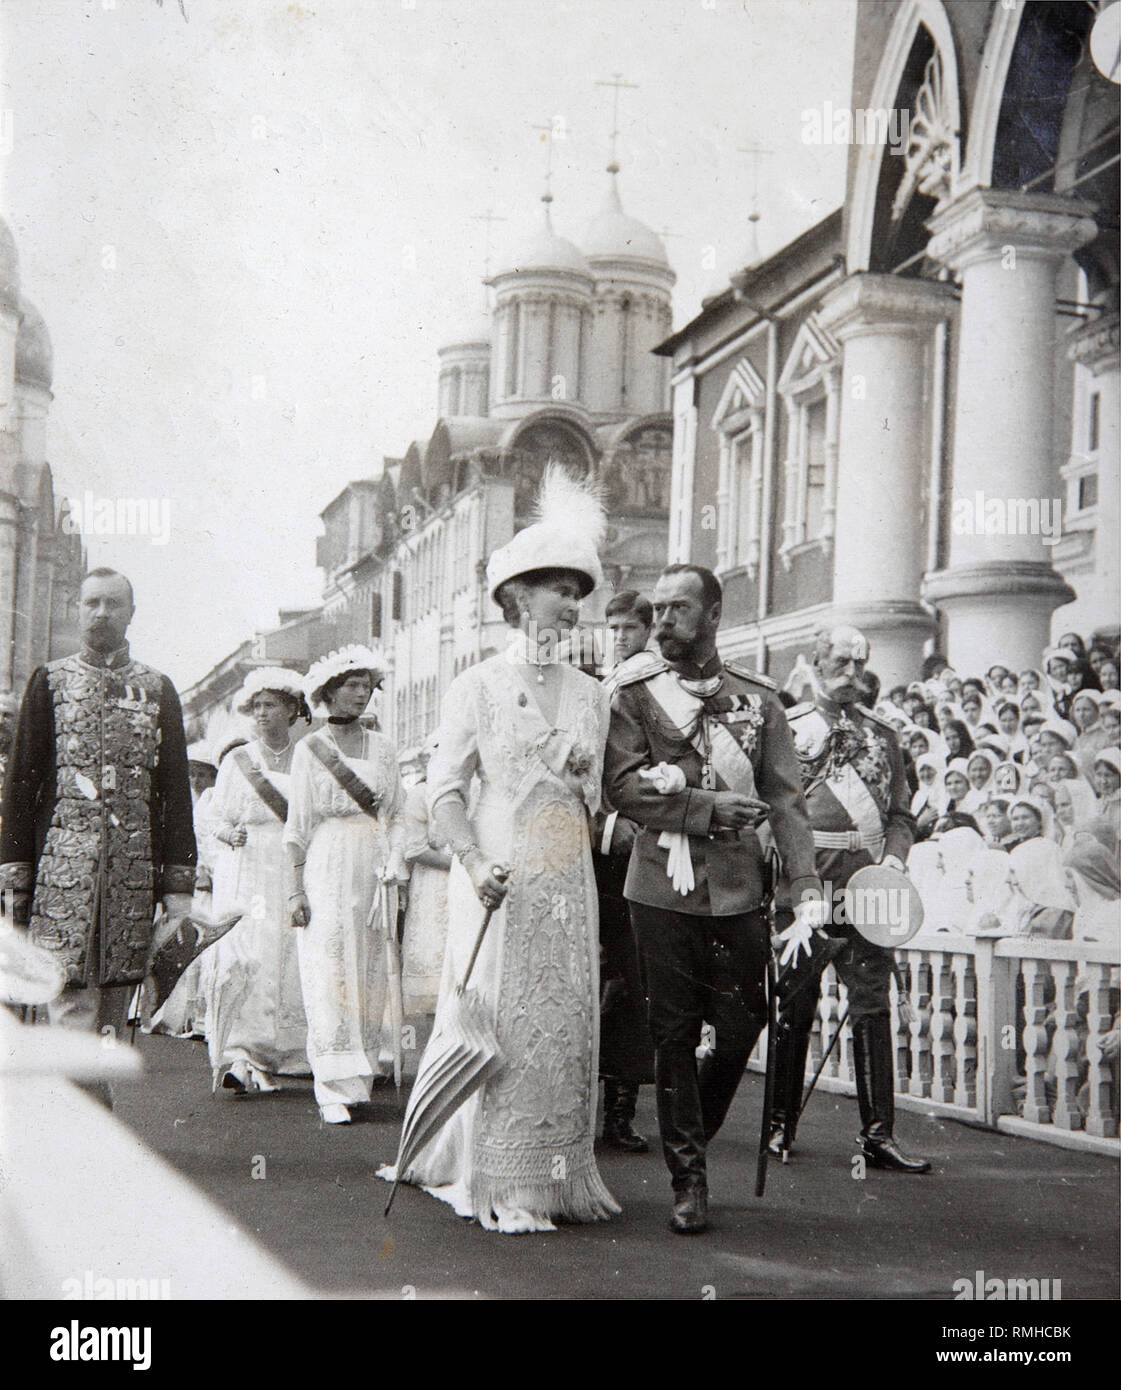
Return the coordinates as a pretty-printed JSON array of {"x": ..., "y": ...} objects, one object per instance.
[{"x": 1017, "y": 794}]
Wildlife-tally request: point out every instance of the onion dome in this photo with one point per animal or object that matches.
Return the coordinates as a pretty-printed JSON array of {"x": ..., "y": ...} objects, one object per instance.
[
  {"x": 613, "y": 236},
  {"x": 543, "y": 250},
  {"x": 468, "y": 333}
]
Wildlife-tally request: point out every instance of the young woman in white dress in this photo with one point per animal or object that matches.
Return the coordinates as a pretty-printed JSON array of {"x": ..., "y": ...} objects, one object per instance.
[
  {"x": 255, "y": 1016},
  {"x": 517, "y": 1155},
  {"x": 344, "y": 840}
]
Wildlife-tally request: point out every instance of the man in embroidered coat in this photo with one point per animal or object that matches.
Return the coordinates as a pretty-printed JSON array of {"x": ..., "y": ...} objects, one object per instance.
[
  {"x": 97, "y": 811},
  {"x": 698, "y": 755},
  {"x": 859, "y": 802}
]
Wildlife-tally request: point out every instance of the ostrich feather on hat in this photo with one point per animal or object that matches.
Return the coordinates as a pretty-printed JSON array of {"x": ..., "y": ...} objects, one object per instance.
[
  {"x": 570, "y": 527},
  {"x": 339, "y": 663},
  {"x": 268, "y": 678}
]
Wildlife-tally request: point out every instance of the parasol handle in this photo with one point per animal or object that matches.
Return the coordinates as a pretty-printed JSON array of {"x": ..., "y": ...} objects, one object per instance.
[{"x": 501, "y": 873}]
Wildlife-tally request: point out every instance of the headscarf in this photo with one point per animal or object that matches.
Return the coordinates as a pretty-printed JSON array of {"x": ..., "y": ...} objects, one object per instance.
[
  {"x": 957, "y": 765},
  {"x": 1095, "y": 858},
  {"x": 1041, "y": 875},
  {"x": 979, "y": 795},
  {"x": 1111, "y": 757},
  {"x": 935, "y": 743},
  {"x": 1083, "y": 803},
  {"x": 1041, "y": 809},
  {"x": 964, "y": 734},
  {"x": 933, "y": 795},
  {"x": 1089, "y": 697}
]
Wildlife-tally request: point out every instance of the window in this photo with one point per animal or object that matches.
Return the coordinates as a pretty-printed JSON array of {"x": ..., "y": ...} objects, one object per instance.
[
  {"x": 739, "y": 510},
  {"x": 810, "y": 387},
  {"x": 1087, "y": 491}
]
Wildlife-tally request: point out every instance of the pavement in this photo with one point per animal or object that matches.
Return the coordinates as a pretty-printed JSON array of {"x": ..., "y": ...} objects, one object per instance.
[{"x": 308, "y": 1192}]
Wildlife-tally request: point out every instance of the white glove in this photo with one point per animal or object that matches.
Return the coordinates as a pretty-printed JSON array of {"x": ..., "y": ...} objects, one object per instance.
[
  {"x": 893, "y": 861},
  {"x": 809, "y": 916},
  {"x": 666, "y": 778},
  {"x": 679, "y": 862}
]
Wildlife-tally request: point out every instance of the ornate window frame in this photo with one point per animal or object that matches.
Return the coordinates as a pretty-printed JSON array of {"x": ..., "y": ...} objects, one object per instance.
[
  {"x": 738, "y": 420},
  {"x": 812, "y": 374}
]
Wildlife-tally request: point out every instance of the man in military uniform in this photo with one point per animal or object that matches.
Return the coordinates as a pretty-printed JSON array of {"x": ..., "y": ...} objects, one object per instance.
[
  {"x": 698, "y": 754},
  {"x": 626, "y": 1054},
  {"x": 859, "y": 802},
  {"x": 97, "y": 811}
]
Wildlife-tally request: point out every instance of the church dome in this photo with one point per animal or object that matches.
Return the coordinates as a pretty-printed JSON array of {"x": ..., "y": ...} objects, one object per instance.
[
  {"x": 34, "y": 355},
  {"x": 613, "y": 236},
  {"x": 543, "y": 250},
  {"x": 468, "y": 332},
  {"x": 9, "y": 268}
]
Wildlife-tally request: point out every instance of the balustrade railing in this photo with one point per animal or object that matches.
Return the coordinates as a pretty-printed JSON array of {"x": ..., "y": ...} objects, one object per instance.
[{"x": 1015, "y": 1033}]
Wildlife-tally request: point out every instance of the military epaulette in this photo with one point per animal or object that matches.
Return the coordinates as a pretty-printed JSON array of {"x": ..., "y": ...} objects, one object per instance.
[
  {"x": 738, "y": 669},
  {"x": 876, "y": 718},
  {"x": 797, "y": 711},
  {"x": 639, "y": 667}
]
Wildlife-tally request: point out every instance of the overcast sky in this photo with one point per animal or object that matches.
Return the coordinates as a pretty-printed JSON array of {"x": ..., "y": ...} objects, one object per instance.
[{"x": 250, "y": 230}]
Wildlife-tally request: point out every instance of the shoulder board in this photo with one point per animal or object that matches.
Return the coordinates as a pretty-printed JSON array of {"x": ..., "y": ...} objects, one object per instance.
[
  {"x": 797, "y": 711},
  {"x": 639, "y": 667},
  {"x": 875, "y": 718},
  {"x": 737, "y": 668}
]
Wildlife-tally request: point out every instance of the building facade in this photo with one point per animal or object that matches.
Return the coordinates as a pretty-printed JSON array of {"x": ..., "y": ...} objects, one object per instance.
[
  {"x": 907, "y": 419},
  {"x": 41, "y": 558}
]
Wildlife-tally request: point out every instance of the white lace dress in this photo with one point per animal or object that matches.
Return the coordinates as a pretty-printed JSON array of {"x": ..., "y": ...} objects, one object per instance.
[
  {"x": 255, "y": 1009},
  {"x": 426, "y": 920},
  {"x": 524, "y": 1140},
  {"x": 342, "y": 949}
]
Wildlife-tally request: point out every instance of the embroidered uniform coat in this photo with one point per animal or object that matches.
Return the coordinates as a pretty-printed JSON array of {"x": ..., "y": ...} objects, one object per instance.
[
  {"x": 727, "y": 864},
  {"x": 96, "y": 817},
  {"x": 864, "y": 786}
]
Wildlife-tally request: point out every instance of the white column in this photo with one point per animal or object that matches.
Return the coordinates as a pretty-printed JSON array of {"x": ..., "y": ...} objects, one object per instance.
[
  {"x": 885, "y": 324},
  {"x": 999, "y": 589},
  {"x": 1097, "y": 346}
]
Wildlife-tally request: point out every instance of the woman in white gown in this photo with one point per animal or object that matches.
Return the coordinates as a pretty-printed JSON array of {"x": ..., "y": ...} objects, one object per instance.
[
  {"x": 255, "y": 1028},
  {"x": 344, "y": 840},
  {"x": 518, "y": 1153}
]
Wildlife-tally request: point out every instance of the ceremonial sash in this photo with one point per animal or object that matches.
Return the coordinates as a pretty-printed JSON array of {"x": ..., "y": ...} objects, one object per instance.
[
  {"x": 363, "y": 797},
  {"x": 850, "y": 790},
  {"x": 729, "y": 763},
  {"x": 268, "y": 791},
  {"x": 725, "y": 764}
]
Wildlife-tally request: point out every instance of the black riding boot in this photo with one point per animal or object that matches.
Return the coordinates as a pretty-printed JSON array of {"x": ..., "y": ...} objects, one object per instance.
[
  {"x": 791, "y": 1050},
  {"x": 875, "y": 1091},
  {"x": 718, "y": 1077},
  {"x": 619, "y": 1101},
  {"x": 683, "y": 1140}
]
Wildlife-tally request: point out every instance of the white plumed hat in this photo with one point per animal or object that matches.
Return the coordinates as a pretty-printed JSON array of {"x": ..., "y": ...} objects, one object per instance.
[
  {"x": 570, "y": 527},
  {"x": 268, "y": 678},
  {"x": 339, "y": 663}
]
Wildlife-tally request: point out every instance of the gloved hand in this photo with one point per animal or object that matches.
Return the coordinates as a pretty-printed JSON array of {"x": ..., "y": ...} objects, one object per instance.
[
  {"x": 892, "y": 861},
  {"x": 809, "y": 916}
]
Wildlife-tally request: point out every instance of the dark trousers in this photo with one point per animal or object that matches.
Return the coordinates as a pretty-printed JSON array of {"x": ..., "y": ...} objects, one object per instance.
[
  {"x": 865, "y": 970},
  {"x": 699, "y": 970}
]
